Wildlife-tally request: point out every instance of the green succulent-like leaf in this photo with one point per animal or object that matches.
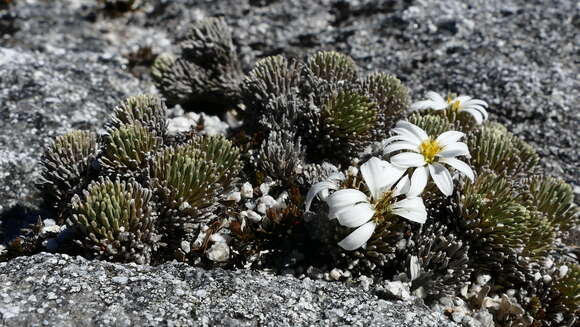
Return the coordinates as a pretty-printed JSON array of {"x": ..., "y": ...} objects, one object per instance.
[
  {"x": 555, "y": 199},
  {"x": 271, "y": 77},
  {"x": 497, "y": 226},
  {"x": 191, "y": 175},
  {"x": 161, "y": 65},
  {"x": 224, "y": 154},
  {"x": 434, "y": 125},
  {"x": 390, "y": 94},
  {"x": 115, "y": 220},
  {"x": 146, "y": 109},
  {"x": 207, "y": 73},
  {"x": 128, "y": 148},
  {"x": 567, "y": 300},
  {"x": 493, "y": 147},
  {"x": 349, "y": 115},
  {"x": 209, "y": 43},
  {"x": 332, "y": 66},
  {"x": 65, "y": 167}
]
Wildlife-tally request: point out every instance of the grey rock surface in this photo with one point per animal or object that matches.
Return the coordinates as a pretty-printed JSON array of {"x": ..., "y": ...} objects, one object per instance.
[
  {"x": 59, "y": 290},
  {"x": 63, "y": 65}
]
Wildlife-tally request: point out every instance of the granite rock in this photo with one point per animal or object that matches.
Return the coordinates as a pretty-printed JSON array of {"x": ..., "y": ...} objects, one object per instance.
[
  {"x": 60, "y": 290},
  {"x": 64, "y": 65}
]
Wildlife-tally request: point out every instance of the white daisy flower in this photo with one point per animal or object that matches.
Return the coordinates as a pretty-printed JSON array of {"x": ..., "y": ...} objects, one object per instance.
[
  {"x": 427, "y": 156},
  {"x": 474, "y": 107},
  {"x": 353, "y": 208}
]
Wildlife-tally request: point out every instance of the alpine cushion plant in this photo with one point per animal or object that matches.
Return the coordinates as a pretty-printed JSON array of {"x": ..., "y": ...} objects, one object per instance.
[
  {"x": 353, "y": 208},
  {"x": 427, "y": 156},
  {"x": 462, "y": 103}
]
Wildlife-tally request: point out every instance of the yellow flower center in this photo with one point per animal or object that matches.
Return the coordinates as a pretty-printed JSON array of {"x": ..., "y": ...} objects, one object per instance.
[
  {"x": 429, "y": 149},
  {"x": 382, "y": 207},
  {"x": 453, "y": 105}
]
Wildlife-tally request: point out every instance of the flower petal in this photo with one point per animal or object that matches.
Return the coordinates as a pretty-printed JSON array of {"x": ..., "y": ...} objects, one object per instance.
[
  {"x": 478, "y": 116},
  {"x": 476, "y": 102},
  {"x": 405, "y": 135},
  {"x": 401, "y": 146},
  {"x": 344, "y": 199},
  {"x": 399, "y": 137},
  {"x": 359, "y": 237},
  {"x": 438, "y": 101},
  {"x": 462, "y": 98},
  {"x": 408, "y": 159},
  {"x": 356, "y": 215},
  {"x": 402, "y": 186},
  {"x": 315, "y": 189},
  {"x": 479, "y": 108},
  {"x": 422, "y": 105},
  {"x": 415, "y": 130},
  {"x": 449, "y": 137},
  {"x": 418, "y": 181},
  {"x": 380, "y": 174},
  {"x": 461, "y": 166},
  {"x": 442, "y": 178},
  {"x": 412, "y": 209},
  {"x": 453, "y": 150}
]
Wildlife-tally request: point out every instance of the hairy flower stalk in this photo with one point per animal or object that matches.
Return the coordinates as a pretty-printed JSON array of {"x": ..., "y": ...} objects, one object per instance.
[
  {"x": 353, "y": 208},
  {"x": 427, "y": 156}
]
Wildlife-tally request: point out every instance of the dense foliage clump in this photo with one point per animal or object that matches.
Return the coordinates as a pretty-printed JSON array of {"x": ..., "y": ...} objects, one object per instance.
[{"x": 326, "y": 169}]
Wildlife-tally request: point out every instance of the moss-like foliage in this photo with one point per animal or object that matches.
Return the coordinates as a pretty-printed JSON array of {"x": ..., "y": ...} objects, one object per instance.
[
  {"x": 323, "y": 100},
  {"x": 271, "y": 77},
  {"x": 66, "y": 167},
  {"x": 155, "y": 197},
  {"x": 555, "y": 199},
  {"x": 128, "y": 147},
  {"x": 282, "y": 156},
  {"x": 390, "y": 95},
  {"x": 349, "y": 115},
  {"x": 567, "y": 295},
  {"x": 206, "y": 73},
  {"x": 488, "y": 215},
  {"x": 115, "y": 221},
  {"x": 436, "y": 261},
  {"x": 136, "y": 174},
  {"x": 190, "y": 176},
  {"x": 493, "y": 147},
  {"x": 147, "y": 110},
  {"x": 332, "y": 66}
]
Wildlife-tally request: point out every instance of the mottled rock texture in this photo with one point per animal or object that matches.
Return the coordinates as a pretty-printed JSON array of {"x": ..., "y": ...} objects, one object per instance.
[
  {"x": 65, "y": 64},
  {"x": 59, "y": 290}
]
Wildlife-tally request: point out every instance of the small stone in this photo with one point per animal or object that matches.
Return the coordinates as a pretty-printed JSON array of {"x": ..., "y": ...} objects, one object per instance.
[
  {"x": 218, "y": 252},
  {"x": 252, "y": 215},
  {"x": 121, "y": 280},
  {"x": 247, "y": 191},
  {"x": 562, "y": 271},
  {"x": 335, "y": 274},
  {"x": 265, "y": 188},
  {"x": 234, "y": 196},
  {"x": 264, "y": 203},
  {"x": 185, "y": 246}
]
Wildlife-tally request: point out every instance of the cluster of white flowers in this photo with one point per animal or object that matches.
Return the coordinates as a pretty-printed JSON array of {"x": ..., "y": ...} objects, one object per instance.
[{"x": 391, "y": 191}]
